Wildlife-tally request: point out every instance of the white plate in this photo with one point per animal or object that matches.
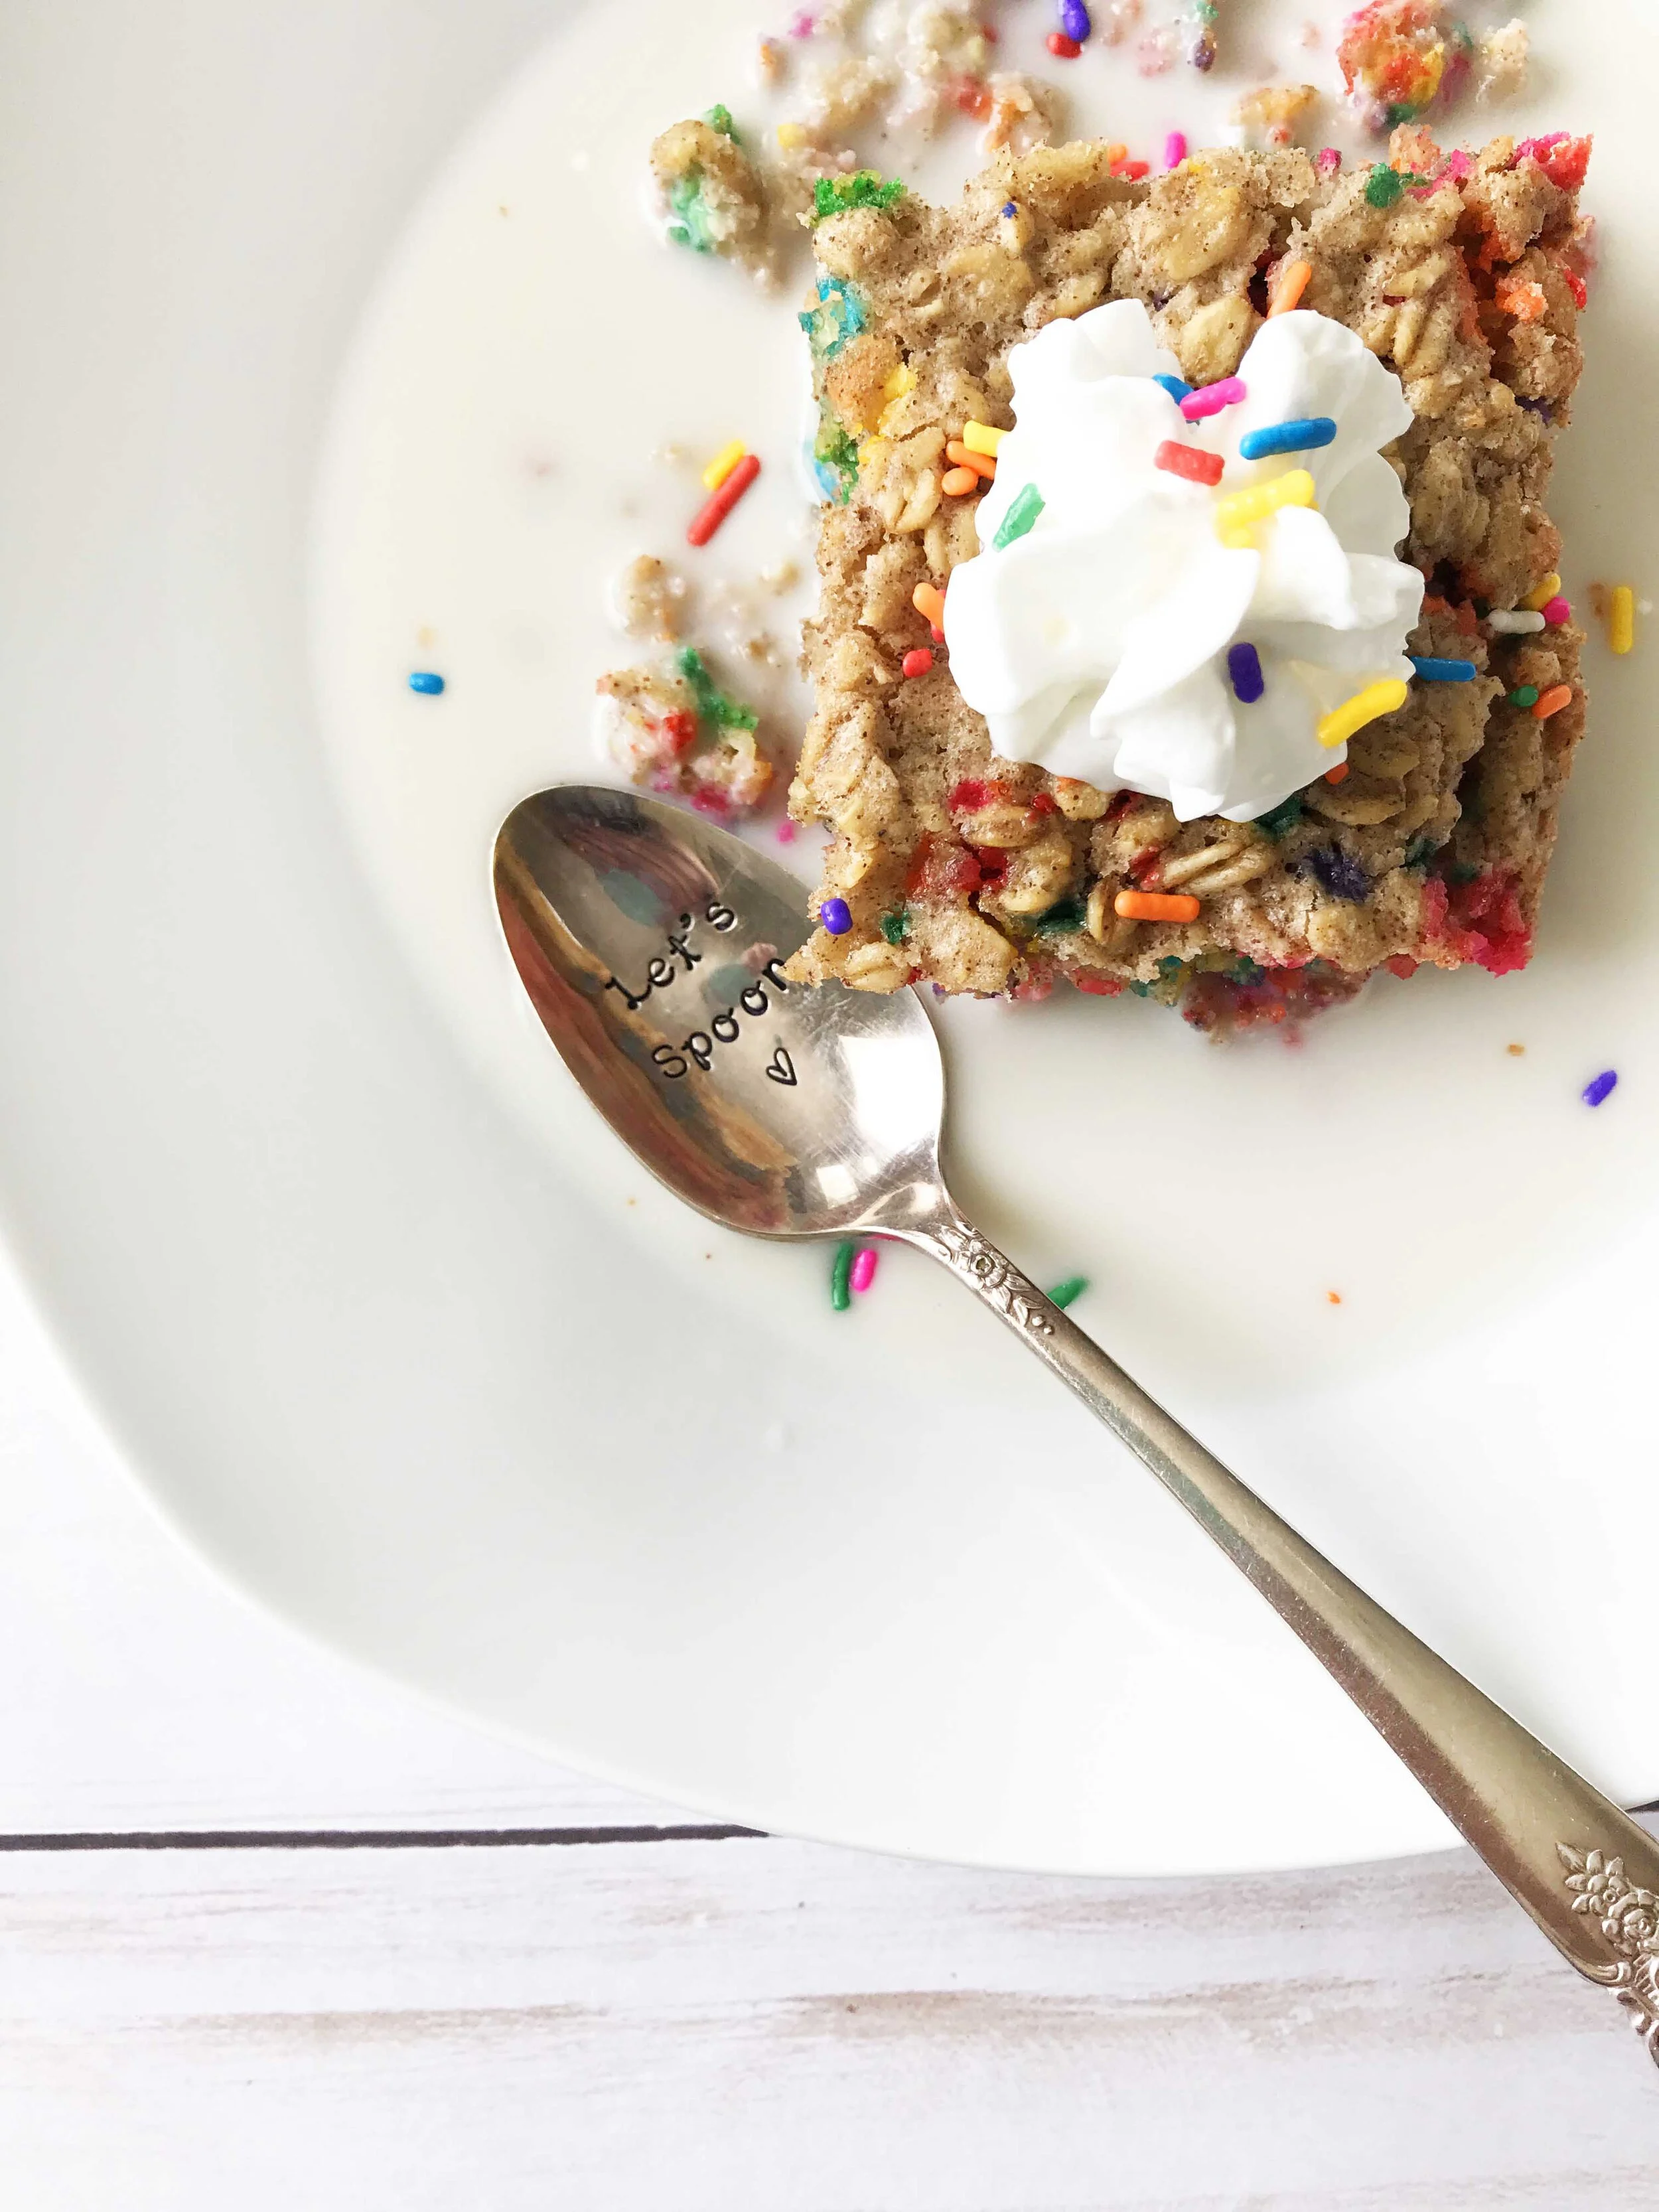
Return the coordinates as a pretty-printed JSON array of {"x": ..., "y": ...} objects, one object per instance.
[{"x": 397, "y": 1334}]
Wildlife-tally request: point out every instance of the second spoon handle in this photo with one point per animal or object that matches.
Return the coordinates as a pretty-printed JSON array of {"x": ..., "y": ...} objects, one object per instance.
[{"x": 1587, "y": 1874}]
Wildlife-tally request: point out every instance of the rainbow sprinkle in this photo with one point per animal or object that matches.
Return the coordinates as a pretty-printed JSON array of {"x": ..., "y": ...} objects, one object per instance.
[
  {"x": 1304, "y": 436},
  {"x": 1538, "y": 599},
  {"x": 1074, "y": 21},
  {"x": 1174, "y": 149},
  {"x": 1367, "y": 706},
  {"x": 1597, "y": 1092},
  {"x": 863, "y": 1272},
  {"x": 1189, "y": 462},
  {"x": 426, "y": 681},
  {"x": 1068, "y": 1292},
  {"x": 1236, "y": 515},
  {"x": 1213, "y": 398},
  {"x": 1515, "y": 622},
  {"x": 841, "y": 1274},
  {"x": 1021, "y": 516},
  {"x": 1244, "y": 670},
  {"x": 837, "y": 916},
  {"x": 1621, "y": 619},
  {"x": 1444, "y": 672},
  {"x": 1173, "y": 385},
  {"x": 723, "y": 463}
]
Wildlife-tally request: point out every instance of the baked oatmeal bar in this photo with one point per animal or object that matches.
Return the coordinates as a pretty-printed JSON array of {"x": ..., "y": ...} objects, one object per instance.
[{"x": 1464, "y": 274}]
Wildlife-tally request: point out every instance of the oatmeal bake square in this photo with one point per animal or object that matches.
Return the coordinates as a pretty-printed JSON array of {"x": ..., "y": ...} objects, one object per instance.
[{"x": 1427, "y": 838}]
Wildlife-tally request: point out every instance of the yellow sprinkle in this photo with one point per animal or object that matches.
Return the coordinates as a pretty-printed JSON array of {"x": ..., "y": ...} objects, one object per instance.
[
  {"x": 1536, "y": 601},
  {"x": 1238, "y": 513},
  {"x": 981, "y": 438},
  {"x": 791, "y": 135},
  {"x": 1621, "y": 618},
  {"x": 723, "y": 463},
  {"x": 873, "y": 456},
  {"x": 1367, "y": 706},
  {"x": 897, "y": 387}
]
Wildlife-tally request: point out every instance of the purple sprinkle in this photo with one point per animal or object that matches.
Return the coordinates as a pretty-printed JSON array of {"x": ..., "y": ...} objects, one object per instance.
[
  {"x": 1341, "y": 873},
  {"x": 837, "y": 916},
  {"x": 1597, "y": 1093},
  {"x": 1244, "y": 667},
  {"x": 1539, "y": 407},
  {"x": 1074, "y": 20}
]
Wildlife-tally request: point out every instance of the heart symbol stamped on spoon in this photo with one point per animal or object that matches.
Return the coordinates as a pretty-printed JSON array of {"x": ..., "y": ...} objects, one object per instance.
[{"x": 782, "y": 1068}]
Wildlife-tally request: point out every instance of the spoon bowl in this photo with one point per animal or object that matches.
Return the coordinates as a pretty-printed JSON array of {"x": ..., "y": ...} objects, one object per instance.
[{"x": 652, "y": 945}]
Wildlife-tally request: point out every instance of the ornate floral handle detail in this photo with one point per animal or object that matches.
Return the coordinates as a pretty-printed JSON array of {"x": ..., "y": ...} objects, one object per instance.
[
  {"x": 994, "y": 1276},
  {"x": 1626, "y": 1920},
  {"x": 1509, "y": 1795}
]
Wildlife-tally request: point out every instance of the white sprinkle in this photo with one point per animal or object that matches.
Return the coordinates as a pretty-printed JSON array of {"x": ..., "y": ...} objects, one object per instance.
[{"x": 1514, "y": 622}]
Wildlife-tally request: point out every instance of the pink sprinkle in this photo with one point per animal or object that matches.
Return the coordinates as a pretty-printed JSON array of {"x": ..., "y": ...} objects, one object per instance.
[
  {"x": 1460, "y": 165},
  {"x": 1174, "y": 149},
  {"x": 1539, "y": 146},
  {"x": 801, "y": 25},
  {"x": 1212, "y": 398},
  {"x": 1558, "y": 611},
  {"x": 864, "y": 1267},
  {"x": 1328, "y": 161},
  {"x": 786, "y": 831}
]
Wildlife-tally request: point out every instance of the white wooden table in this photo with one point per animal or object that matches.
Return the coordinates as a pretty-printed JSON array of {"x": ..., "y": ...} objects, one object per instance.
[{"x": 276, "y": 1937}]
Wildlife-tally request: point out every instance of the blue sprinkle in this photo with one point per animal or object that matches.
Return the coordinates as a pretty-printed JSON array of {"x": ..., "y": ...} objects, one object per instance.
[
  {"x": 1445, "y": 671},
  {"x": 1603, "y": 1089},
  {"x": 1176, "y": 390},
  {"x": 837, "y": 916},
  {"x": 1304, "y": 436},
  {"x": 1244, "y": 667},
  {"x": 425, "y": 679},
  {"x": 1341, "y": 875},
  {"x": 1074, "y": 20},
  {"x": 1010, "y": 207}
]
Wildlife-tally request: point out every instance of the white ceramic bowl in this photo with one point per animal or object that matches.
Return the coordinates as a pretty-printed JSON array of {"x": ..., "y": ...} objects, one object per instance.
[{"x": 400, "y": 1339}]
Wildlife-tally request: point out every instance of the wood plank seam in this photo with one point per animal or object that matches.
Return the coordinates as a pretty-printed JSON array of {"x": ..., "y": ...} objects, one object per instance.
[{"x": 375, "y": 1839}]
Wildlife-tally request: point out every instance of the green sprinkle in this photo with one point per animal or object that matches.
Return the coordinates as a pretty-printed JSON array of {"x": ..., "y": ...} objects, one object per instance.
[
  {"x": 841, "y": 1292},
  {"x": 1141, "y": 990},
  {"x": 693, "y": 229},
  {"x": 1068, "y": 1292},
  {"x": 719, "y": 117},
  {"x": 712, "y": 705},
  {"x": 1067, "y": 915},
  {"x": 1384, "y": 185},
  {"x": 1419, "y": 851},
  {"x": 1526, "y": 696},
  {"x": 864, "y": 189},
  {"x": 896, "y": 926},
  {"x": 1281, "y": 820},
  {"x": 1171, "y": 964},
  {"x": 1020, "y": 517},
  {"x": 1245, "y": 970}
]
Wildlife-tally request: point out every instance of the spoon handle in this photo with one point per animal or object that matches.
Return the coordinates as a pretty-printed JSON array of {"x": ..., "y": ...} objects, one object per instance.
[{"x": 1587, "y": 1874}]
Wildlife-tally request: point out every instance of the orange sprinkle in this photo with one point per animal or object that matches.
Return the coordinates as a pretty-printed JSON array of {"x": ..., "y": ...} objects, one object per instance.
[
  {"x": 966, "y": 458},
  {"x": 1337, "y": 775},
  {"x": 928, "y": 601},
  {"x": 1515, "y": 1051},
  {"x": 955, "y": 483},
  {"x": 1335, "y": 1296},
  {"x": 1156, "y": 906},
  {"x": 1526, "y": 302},
  {"x": 1554, "y": 701},
  {"x": 1293, "y": 281}
]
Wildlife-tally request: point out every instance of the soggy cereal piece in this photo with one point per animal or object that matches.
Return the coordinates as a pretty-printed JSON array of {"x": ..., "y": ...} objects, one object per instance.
[
  {"x": 670, "y": 729},
  {"x": 713, "y": 197},
  {"x": 942, "y": 55},
  {"x": 647, "y": 599},
  {"x": 1271, "y": 116},
  {"x": 1024, "y": 113},
  {"x": 846, "y": 92},
  {"x": 1463, "y": 273},
  {"x": 1399, "y": 57},
  {"x": 1502, "y": 59}
]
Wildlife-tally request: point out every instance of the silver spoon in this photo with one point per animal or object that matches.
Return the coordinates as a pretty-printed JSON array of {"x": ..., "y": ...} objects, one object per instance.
[{"x": 651, "y": 944}]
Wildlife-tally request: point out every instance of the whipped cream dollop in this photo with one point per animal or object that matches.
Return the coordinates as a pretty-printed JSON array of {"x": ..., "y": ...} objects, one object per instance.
[{"x": 1105, "y": 640}]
